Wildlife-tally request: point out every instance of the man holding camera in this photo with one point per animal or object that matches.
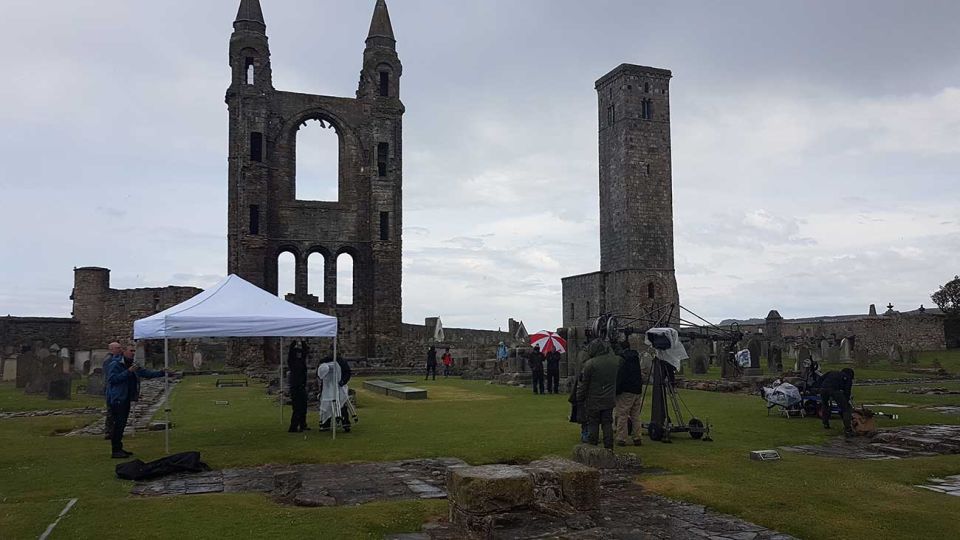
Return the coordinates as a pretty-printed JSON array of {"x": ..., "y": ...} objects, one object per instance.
[{"x": 122, "y": 378}]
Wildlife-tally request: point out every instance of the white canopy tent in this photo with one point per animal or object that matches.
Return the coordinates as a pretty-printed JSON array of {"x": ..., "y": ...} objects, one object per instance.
[{"x": 234, "y": 308}]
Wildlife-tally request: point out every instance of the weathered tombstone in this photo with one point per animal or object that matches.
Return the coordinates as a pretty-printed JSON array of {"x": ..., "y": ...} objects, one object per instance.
[
  {"x": 846, "y": 349},
  {"x": 700, "y": 357},
  {"x": 10, "y": 370},
  {"x": 59, "y": 389},
  {"x": 28, "y": 371},
  {"x": 860, "y": 358},
  {"x": 197, "y": 360},
  {"x": 833, "y": 355},
  {"x": 754, "y": 347},
  {"x": 824, "y": 349},
  {"x": 95, "y": 383},
  {"x": 896, "y": 354},
  {"x": 803, "y": 353},
  {"x": 775, "y": 359},
  {"x": 81, "y": 361}
]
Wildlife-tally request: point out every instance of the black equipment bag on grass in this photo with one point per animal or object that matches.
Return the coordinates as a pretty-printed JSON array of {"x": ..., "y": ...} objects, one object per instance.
[{"x": 177, "y": 463}]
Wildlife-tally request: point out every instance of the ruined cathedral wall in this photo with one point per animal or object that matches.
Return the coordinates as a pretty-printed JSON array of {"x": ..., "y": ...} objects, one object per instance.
[
  {"x": 18, "y": 332},
  {"x": 465, "y": 344},
  {"x": 876, "y": 335}
]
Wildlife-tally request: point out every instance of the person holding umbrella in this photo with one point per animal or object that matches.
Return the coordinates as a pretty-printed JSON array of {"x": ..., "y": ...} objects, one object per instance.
[
  {"x": 536, "y": 369},
  {"x": 552, "y": 345}
]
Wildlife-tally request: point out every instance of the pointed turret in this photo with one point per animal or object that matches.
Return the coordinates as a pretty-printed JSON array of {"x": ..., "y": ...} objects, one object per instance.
[
  {"x": 381, "y": 29},
  {"x": 250, "y": 17}
]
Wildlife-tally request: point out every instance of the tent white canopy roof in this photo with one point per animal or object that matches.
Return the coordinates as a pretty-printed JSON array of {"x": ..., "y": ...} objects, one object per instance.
[{"x": 235, "y": 308}]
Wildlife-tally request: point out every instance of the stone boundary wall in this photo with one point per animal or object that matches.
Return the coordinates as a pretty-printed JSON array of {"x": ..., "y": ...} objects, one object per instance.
[
  {"x": 875, "y": 334},
  {"x": 19, "y": 331},
  {"x": 465, "y": 344}
]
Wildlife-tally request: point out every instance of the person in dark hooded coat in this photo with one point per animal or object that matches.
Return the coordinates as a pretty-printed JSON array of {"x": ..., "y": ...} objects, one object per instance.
[{"x": 297, "y": 379}]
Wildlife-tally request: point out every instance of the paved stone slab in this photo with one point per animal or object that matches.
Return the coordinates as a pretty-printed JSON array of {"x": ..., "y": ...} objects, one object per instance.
[{"x": 892, "y": 443}]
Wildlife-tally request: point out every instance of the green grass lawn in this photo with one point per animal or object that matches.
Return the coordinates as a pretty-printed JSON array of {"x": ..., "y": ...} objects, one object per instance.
[
  {"x": 13, "y": 399},
  {"x": 810, "y": 497}
]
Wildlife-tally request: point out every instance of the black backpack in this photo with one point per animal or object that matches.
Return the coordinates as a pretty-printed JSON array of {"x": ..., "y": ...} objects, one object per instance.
[{"x": 177, "y": 463}]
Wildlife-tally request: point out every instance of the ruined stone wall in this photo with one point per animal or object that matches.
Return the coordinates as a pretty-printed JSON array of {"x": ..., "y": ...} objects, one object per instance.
[
  {"x": 104, "y": 314},
  {"x": 876, "y": 335},
  {"x": 18, "y": 332},
  {"x": 584, "y": 298},
  {"x": 465, "y": 344}
]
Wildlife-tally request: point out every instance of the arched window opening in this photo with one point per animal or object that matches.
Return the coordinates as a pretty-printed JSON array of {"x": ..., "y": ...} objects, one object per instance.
[
  {"x": 250, "y": 72},
  {"x": 345, "y": 279},
  {"x": 651, "y": 291},
  {"x": 286, "y": 274},
  {"x": 384, "y": 84},
  {"x": 318, "y": 162},
  {"x": 315, "y": 275}
]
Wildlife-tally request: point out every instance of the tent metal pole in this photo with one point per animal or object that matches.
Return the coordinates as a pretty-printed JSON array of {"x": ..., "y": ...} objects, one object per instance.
[
  {"x": 336, "y": 392},
  {"x": 281, "y": 381},
  {"x": 166, "y": 395}
]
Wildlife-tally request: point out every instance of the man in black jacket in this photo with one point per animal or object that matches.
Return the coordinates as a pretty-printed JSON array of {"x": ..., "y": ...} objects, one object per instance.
[
  {"x": 536, "y": 369},
  {"x": 431, "y": 363},
  {"x": 629, "y": 393},
  {"x": 553, "y": 372},
  {"x": 345, "y": 375},
  {"x": 837, "y": 386},
  {"x": 297, "y": 377}
]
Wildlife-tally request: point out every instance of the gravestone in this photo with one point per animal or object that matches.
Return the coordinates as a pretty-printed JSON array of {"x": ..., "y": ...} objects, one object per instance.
[
  {"x": 59, "y": 389},
  {"x": 860, "y": 358},
  {"x": 10, "y": 370},
  {"x": 833, "y": 355},
  {"x": 754, "y": 347},
  {"x": 95, "y": 383},
  {"x": 896, "y": 354},
  {"x": 846, "y": 349},
  {"x": 803, "y": 353},
  {"x": 775, "y": 359},
  {"x": 824, "y": 349},
  {"x": 64, "y": 355},
  {"x": 700, "y": 357},
  {"x": 28, "y": 371},
  {"x": 197, "y": 360},
  {"x": 82, "y": 362}
]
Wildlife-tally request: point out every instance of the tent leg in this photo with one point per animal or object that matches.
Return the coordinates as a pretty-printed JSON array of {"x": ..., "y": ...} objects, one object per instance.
[
  {"x": 336, "y": 393},
  {"x": 281, "y": 381},
  {"x": 166, "y": 395}
]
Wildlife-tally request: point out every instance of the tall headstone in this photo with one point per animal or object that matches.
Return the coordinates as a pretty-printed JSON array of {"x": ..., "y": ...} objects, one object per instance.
[
  {"x": 775, "y": 359},
  {"x": 833, "y": 355},
  {"x": 700, "y": 357},
  {"x": 10, "y": 370},
  {"x": 754, "y": 347},
  {"x": 846, "y": 349}
]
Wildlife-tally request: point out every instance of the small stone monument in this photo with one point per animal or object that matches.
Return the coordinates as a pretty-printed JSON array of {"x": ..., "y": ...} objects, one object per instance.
[
  {"x": 197, "y": 360},
  {"x": 896, "y": 353},
  {"x": 59, "y": 389},
  {"x": 775, "y": 359},
  {"x": 95, "y": 383}
]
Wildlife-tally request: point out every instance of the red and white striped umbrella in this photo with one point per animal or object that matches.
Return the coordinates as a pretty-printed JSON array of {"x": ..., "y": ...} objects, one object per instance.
[{"x": 548, "y": 341}]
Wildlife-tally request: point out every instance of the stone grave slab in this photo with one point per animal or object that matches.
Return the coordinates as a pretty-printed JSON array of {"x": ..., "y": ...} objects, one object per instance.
[{"x": 399, "y": 391}]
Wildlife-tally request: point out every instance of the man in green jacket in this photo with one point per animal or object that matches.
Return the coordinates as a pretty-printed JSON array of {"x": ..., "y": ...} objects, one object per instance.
[{"x": 598, "y": 391}]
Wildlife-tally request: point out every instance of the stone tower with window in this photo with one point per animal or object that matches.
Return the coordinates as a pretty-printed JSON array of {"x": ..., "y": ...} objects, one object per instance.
[
  {"x": 636, "y": 201},
  {"x": 267, "y": 219}
]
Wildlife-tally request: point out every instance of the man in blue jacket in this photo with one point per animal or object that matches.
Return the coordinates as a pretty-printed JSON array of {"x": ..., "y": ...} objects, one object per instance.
[
  {"x": 114, "y": 354},
  {"x": 123, "y": 386}
]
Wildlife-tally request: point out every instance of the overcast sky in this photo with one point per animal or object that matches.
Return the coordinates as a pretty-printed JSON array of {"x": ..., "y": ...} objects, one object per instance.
[{"x": 816, "y": 145}]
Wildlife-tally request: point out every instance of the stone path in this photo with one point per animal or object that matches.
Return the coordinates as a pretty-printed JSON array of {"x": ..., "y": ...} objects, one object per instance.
[
  {"x": 56, "y": 412},
  {"x": 317, "y": 485},
  {"x": 893, "y": 443},
  {"x": 151, "y": 400},
  {"x": 625, "y": 511},
  {"x": 949, "y": 485}
]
